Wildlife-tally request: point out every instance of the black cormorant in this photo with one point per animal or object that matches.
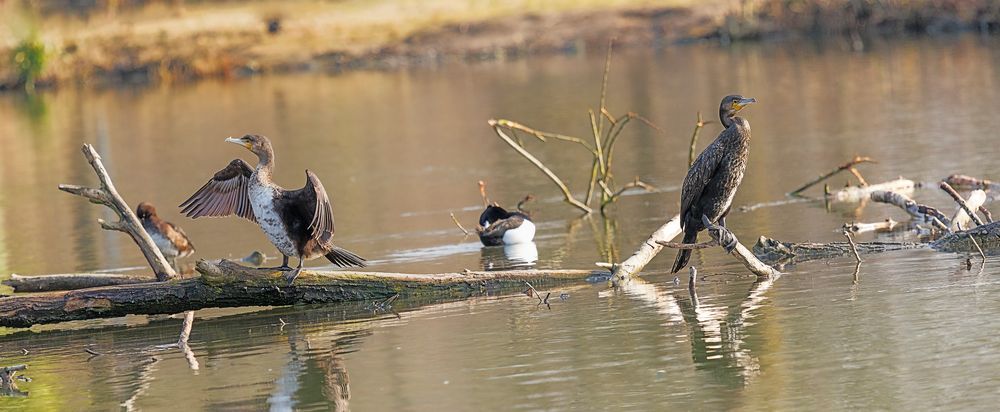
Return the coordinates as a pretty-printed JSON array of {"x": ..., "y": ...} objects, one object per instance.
[
  {"x": 713, "y": 178},
  {"x": 170, "y": 239},
  {"x": 298, "y": 222}
]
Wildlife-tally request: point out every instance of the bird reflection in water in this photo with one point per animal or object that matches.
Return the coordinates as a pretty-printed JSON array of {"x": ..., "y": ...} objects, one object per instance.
[{"x": 514, "y": 256}]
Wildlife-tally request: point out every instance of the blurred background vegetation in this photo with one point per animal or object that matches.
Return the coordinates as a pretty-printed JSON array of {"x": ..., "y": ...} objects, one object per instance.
[{"x": 109, "y": 41}]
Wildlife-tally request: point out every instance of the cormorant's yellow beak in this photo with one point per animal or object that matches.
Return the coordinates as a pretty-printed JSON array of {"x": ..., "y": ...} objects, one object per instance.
[
  {"x": 740, "y": 104},
  {"x": 239, "y": 141}
]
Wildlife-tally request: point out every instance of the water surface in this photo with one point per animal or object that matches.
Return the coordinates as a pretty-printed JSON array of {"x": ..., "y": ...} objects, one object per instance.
[{"x": 398, "y": 151}]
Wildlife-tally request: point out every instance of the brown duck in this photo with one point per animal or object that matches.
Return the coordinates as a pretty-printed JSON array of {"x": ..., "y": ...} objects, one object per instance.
[{"x": 170, "y": 239}]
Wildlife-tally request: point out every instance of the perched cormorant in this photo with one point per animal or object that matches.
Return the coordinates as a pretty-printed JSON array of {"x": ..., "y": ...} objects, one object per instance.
[
  {"x": 713, "y": 178},
  {"x": 298, "y": 222},
  {"x": 171, "y": 240},
  {"x": 500, "y": 227}
]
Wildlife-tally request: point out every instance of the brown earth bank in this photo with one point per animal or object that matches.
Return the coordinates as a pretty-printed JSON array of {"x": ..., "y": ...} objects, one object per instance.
[{"x": 212, "y": 41}]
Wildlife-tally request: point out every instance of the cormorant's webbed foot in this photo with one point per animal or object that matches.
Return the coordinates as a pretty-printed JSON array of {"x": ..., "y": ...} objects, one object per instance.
[
  {"x": 722, "y": 234},
  {"x": 294, "y": 273}
]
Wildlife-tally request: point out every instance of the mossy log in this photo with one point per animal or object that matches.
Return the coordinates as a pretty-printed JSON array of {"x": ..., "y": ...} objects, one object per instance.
[
  {"x": 70, "y": 281},
  {"x": 228, "y": 284},
  {"x": 987, "y": 236},
  {"x": 776, "y": 252}
]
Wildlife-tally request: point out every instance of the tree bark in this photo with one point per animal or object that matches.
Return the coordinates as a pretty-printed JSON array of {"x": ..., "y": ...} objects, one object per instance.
[
  {"x": 227, "y": 284},
  {"x": 646, "y": 251},
  {"x": 48, "y": 283}
]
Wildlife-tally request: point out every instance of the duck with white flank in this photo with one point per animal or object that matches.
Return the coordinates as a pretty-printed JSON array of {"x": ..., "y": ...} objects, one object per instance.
[
  {"x": 298, "y": 222},
  {"x": 500, "y": 227},
  {"x": 171, "y": 240}
]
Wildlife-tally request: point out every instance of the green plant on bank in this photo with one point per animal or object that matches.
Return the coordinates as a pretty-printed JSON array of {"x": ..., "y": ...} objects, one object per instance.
[
  {"x": 29, "y": 59},
  {"x": 602, "y": 149}
]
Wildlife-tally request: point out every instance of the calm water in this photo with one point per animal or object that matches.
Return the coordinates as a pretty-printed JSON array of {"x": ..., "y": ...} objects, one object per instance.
[{"x": 400, "y": 150}]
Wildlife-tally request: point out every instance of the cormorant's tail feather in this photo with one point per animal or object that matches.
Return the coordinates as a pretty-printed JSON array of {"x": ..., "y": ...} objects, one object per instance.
[
  {"x": 690, "y": 236},
  {"x": 345, "y": 258}
]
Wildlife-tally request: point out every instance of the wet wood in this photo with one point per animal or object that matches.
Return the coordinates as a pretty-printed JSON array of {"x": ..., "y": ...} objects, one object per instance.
[
  {"x": 960, "y": 220},
  {"x": 777, "y": 252},
  {"x": 970, "y": 211},
  {"x": 646, "y": 251},
  {"x": 859, "y": 193},
  {"x": 227, "y": 284},
  {"x": 127, "y": 221},
  {"x": 72, "y": 281},
  {"x": 963, "y": 182},
  {"x": 919, "y": 211},
  {"x": 985, "y": 237},
  {"x": 723, "y": 236}
]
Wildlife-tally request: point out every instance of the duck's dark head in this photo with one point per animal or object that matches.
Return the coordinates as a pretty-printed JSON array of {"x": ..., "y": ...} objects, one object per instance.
[
  {"x": 492, "y": 214},
  {"x": 731, "y": 105},
  {"x": 255, "y": 143},
  {"x": 145, "y": 211}
]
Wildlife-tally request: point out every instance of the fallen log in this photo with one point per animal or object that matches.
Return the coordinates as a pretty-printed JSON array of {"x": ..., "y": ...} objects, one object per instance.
[
  {"x": 70, "y": 281},
  {"x": 721, "y": 236},
  {"x": 776, "y": 252},
  {"x": 227, "y": 284},
  {"x": 987, "y": 237}
]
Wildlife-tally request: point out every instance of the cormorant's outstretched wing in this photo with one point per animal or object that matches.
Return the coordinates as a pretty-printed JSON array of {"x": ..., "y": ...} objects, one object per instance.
[
  {"x": 698, "y": 176},
  {"x": 313, "y": 200},
  {"x": 225, "y": 194}
]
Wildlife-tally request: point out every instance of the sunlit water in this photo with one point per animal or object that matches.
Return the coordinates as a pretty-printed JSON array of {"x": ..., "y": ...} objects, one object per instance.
[{"x": 398, "y": 151}]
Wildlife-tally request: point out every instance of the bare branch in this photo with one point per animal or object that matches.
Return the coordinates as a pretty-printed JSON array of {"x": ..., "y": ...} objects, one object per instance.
[
  {"x": 457, "y": 223},
  {"x": 541, "y": 166},
  {"x": 128, "y": 222},
  {"x": 850, "y": 164},
  {"x": 961, "y": 202}
]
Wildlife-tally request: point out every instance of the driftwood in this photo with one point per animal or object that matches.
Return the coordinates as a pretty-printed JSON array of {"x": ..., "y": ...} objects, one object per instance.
[
  {"x": 922, "y": 212},
  {"x": 721, "y": 236},
  {"x": 859, "y": 193},
  {"x": 985, "y": 237},
  {"x": 107, "y": 195},
  {"x": 857, "y": 228},
  {"x": 227, "y": 284},
  {"x": 71, "y": 281},
  {"x": 776, "y": 252},
  {"x": 724, "y": 236},
  {"x": 960, "y": 220},
  {"x": 970, "y": 211},
  {"x": 646, "y": 251},
  {"x": 964, "y": 182}
]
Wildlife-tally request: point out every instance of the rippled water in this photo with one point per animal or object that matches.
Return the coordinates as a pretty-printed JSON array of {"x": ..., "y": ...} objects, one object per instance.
[{"x": 401, "y": 150}]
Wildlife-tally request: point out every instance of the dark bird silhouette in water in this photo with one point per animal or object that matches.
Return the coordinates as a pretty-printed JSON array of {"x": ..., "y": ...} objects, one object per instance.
[
  {"x": 298, "y": 222},
  {"x": 170, "y": 239},
  {"x": 713, "y": 178}
]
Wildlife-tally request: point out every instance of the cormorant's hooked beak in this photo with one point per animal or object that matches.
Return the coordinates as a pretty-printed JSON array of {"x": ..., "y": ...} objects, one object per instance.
[
  {"x": 744, "y": 102},
  {"x": 239, "y": 141}
]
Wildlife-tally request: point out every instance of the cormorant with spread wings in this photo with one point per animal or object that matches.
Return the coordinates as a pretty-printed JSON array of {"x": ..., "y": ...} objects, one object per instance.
[{"x": 298, "y": 222}]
